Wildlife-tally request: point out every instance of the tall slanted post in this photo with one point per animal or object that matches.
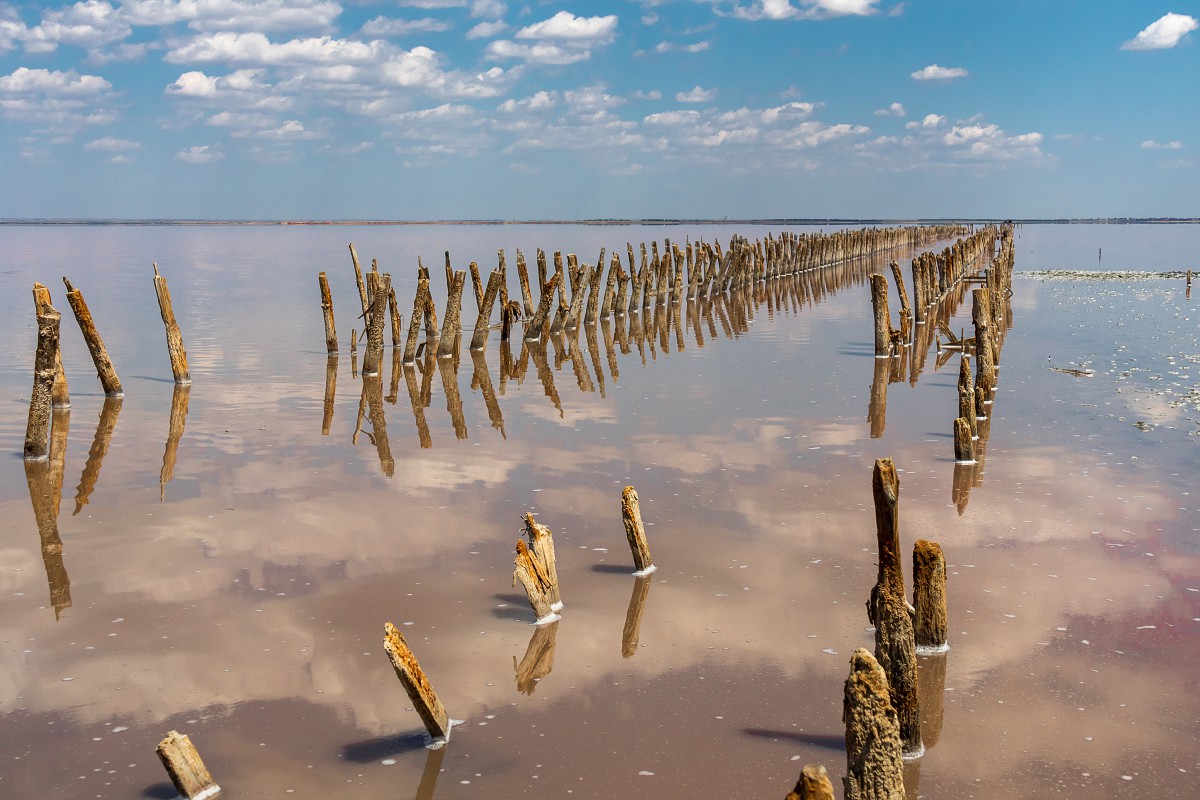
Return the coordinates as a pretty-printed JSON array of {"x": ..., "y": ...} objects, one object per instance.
[
  {"x": 37, "y": 431},
  {"x": 420, "y": 692},
  {"x": 635, "y": 532},
  {"x": 91, "y": 337},
  {"x": 331, "y": 346},
  {"x": 179, "y": 365}
]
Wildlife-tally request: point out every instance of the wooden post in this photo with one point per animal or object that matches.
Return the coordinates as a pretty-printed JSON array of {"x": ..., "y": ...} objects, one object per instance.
[
  {"x": 183, "y": 763},
  {"x": 885, "y": 489},
  {"x": 381, "y": 286},
  {"x": 362, "y": 287},
  {"x": 395, "y": 315},
  {"x": 179, "y": 365},
  {"x": 420, "y": 300},
  {"x": 635, "y": 532},
  {"x": 331, "y": 344},
  {"x": 523, "y": 279},
  {"x": 813, "y": 785},
  {"x": 478, "y": 286},
  {"x": 420, "y": 692},
  {"x": 541, "y": 543},
  {"x": 479, "y": 339},
  {"x": 37, "y": 431},
  {"x": 981, "y": 315},
  {"x": 60, "y": 395},
  {"x": 929, "y": 597},
  {"x": 533, "y": 578},
  {"x": 896, "y": 651},
  {"x": 883, "y": 322},
  {"x": 87, "y": 326},
  {"x": 537, "y": 325},
  {"x": 966, "y": 410},
  {"x": 874, "y": 765},
  {"x": 593, "y": 300},
  {"x": 450, "y": 323},
  {"x": 964, "y": 447}
]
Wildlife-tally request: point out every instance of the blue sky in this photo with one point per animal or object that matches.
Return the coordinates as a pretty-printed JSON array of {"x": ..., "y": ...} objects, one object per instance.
[{"x": 487, "y": 109}]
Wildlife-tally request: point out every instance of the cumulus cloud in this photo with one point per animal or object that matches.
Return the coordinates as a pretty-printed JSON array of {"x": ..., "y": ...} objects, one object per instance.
[
  {"x": 696, "y": 94},
  {"x": 486, "y": 30},
  {"x": 256, "y": 48},
  {"x": 200, "y": 154},
  {"x": 807, "y": 9},
  {"x": 928, "y": 121},
  {"x": 385, "y": 26},
  {"x": 488, "y": 9},
  {"x": 245, "y": 15},
  {"x": 565, "y": 25},
  {"x": 52, "y": 82},
  {"x": 669, "y": 47},
  {"x": 542, "y": 101},
  {"x": 653, "y": 94},
  {"x": 935, "y": 72},
  {"x": 561, "y": 39},
  {"x": 109, "y": 144},
  {"x": 893, "y": 110},
  {"x": 1165, "y": 32},
  {"x": 89, "y": 25},
  {"x": 1150, "y": 144}
]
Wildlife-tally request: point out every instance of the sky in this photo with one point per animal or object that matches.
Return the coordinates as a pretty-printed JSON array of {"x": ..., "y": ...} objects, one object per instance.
[{"x": 487, "y": 109}]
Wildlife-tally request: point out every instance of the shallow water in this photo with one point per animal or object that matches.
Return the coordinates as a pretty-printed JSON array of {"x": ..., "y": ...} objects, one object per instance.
[{"x": 240, "y": 595}]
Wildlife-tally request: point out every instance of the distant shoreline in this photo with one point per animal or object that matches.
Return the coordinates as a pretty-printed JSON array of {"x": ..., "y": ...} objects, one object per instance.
[{"x": 764, "y": 221}]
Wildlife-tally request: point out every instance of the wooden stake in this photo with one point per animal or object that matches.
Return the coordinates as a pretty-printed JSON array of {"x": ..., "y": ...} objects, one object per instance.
[
  {"x": 478, "y": 286},
  {"x": 885, "y": 488},
  {"x": 523, "y": 278},
  {"x": 380, "y": 288},
  {"x": 883, "y": 324},
  {"x": 395, "y": 315},
  {"x": 964, "y": 447},
  {"x": 420, "y": 300},
  {"x": 179, "y": 365},
  {"x": 537, "y": 325},
  {"x": 362, "y": 287},
  {"x": 635, "y": 532},
  {"x": 87, "y": 326},
  {"x": 37, "y": 431},
  {"x": 929, "y": 597},
  {"x": 183, "y": 763},
  {"x": 451, "y": 324},
  {"x": 874, "y": 765},
  {"x": 533, "y": 578},
  {"x": 981, "y": 315},
  {"x": 896, "y": 651},
  {"x": 60, "y": 395},
  {"x": 479, "y": 339},
  {"x": 331, "y": 344},
  {"x": 541, "y": 543},
  {"x": 420, "y": 692},
  {"x": 813, "y": 785}
]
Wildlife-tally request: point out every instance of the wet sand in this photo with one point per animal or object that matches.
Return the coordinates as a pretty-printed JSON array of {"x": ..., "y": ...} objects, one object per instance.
[{"x": 242, "y": 601}]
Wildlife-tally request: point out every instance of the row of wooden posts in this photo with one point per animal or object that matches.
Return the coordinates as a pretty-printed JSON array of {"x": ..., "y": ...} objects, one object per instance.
[
  {"x": 695, "y": 270},
  {"x": 50, "y": 389}
]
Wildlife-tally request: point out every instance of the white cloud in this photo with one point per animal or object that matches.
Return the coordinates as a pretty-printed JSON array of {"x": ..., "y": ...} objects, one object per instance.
[
  {"x": 938, "y": 73},
  {"x": 540, "y": 53},
  {"x": 486, "y": 30},
  {"x": 542, "y": 101},
  {"x": 256, "y": 48},
  {"x": 385, "y": 26},
  {"x": 90, "y": 24},
  {"x": 807, "y": 9},
  {"x": 200, "y": 154},
  {"x": 488, "y": 9},
  {"x": 234, "y": 15},
  {"x": 696, "y": 95},
  {"x": 654, "y": 94},
  {"x": 894, "y": 110},
  {"x": 928, "y": 121},
  {"x": 672, "y": 118},
  {"x": 1150, "y": 144},
  {"x": 70, "y": 83},
  {"x": 430, "y": 4},
  {"x": 668, "y": 47},
  {"x": 1165, "y": 32},
  {"x": 565, "y": 25},
  {"x": 109, "y": 144},
  {"x": 291, "y": 130}
]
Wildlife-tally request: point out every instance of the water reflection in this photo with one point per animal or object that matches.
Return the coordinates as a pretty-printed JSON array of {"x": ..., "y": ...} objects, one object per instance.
[
  {"x": 481, "y": 379},
  {"x": 179, "y": 411},
  {"x": 539, "y": 657},
  {"x": 331, "y": 365},
  {"x": 372, "y": 399},
  {"x": 45, "y": 491},
  {"x": 433, "y": 768},
  {"x": 95, "y": 460},
  {"x": 631, "y": 633}
]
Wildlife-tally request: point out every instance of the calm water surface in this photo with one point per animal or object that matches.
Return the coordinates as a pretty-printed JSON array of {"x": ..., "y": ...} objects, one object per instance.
[{"x": 238, "y": 592}]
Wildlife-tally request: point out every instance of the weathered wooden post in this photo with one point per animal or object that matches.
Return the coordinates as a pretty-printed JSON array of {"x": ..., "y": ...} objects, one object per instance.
[
  {"x": 635, "y": 532},
  {"x": 331, "y": 344},
  {"x": 479, "y": 338},
  {"x": 420, "y": 300},
  {"x": 536, "y": 582},
  {"x": 420, "y": 692},
  {"x": 91, "y": 337},
  {"x": 380, "y": 286},
  {"x": 883, "y": 323},
  {"x": 37, "y": 431},
  {"x": 885, "y": 490},
  {"x": 362, "y": 287},
  {"x": 450, "y": 323},
  {"x": 179, "y": 365},
  {"x": 929, "y": 597},
  {"x": 395, "y": 316},
  {"x": 813, "y": 785},
  {"x": 981, "y": 316},
  {"x": 541, "y": 543},
  {"x": 523, "y": 279},
  {"x": 874, "y": 765},
  {"x": 185, "y": 767},
  {"x": 537, "y": 325},
  {"x": 964, "y": 445},
  {"x": 60, "y": 394}
]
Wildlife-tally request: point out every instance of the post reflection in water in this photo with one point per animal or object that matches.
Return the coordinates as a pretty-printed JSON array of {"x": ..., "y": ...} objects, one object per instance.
[
  {"x": 593, "y": 347},
  {"x": 610, "y": 350},
  {"x": 448, "y": 369},
  {"x": 331, "y": 365},
  {"x": 43, "y": 496},
  {"x": 633, "y": 617},
  {"x": 91, "y": 470},
  {"x": 179, "y": 410},
  {"x": 482, "y": 380},
  {"x": 539, "y": 657},
  {"x": 372, "y": 398},
  {"x": 57, "y": 460},
  {"x": 582, "y": 376},
  {"x": 537, "y": 351},
  {"x": 877, "y": 411},
  {"x": 433, "y": 768},
  {"x": 418, "y": 408}
]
